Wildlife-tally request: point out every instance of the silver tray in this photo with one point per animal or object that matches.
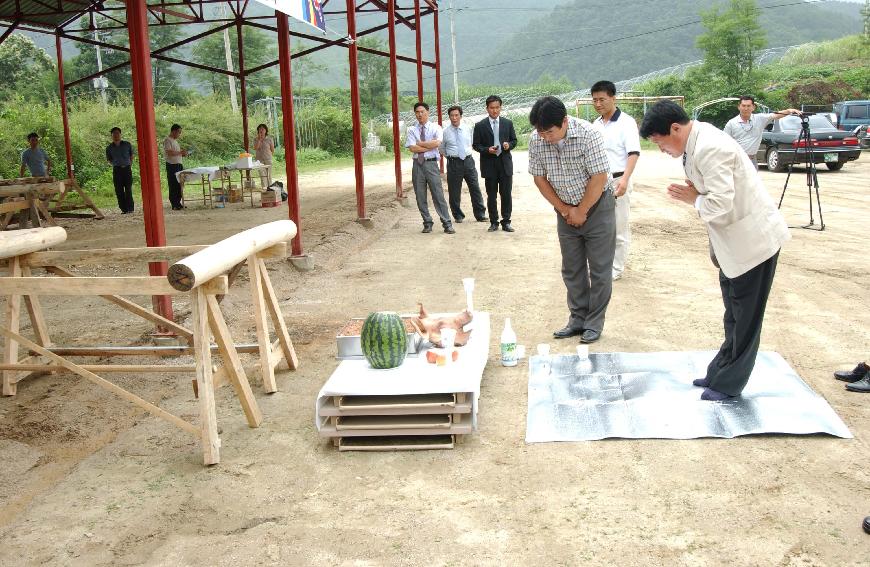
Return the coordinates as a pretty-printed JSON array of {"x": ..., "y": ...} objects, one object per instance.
[{"x": 349, "y": 347}]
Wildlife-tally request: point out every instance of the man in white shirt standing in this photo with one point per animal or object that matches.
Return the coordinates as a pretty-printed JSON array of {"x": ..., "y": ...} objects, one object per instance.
[
  {"x": 456, "y": 147},
  {"x": 747, "y": 127},
  {"x": 622, "y": 144},
  {"x": 174, "y": 154},
  {"x": 423, "y": 140}
]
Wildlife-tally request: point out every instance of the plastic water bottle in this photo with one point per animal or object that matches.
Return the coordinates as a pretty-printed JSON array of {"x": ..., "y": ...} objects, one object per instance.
[{"x": 508, "y": 345}]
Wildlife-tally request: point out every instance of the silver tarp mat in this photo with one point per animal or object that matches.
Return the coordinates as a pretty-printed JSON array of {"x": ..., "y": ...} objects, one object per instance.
[{"x": 650, "y": 395}]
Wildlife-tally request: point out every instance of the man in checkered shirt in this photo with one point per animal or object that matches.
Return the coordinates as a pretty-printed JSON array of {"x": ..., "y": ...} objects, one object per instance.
[{"x": 572, "y": 172}]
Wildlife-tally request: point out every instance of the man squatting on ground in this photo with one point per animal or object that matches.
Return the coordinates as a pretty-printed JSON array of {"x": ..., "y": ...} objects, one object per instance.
[
  {"x": 622, "y": 144},
  {"x": 747, "y": 127},
  {"x": 120, "y": 154},
  {"x": 456, "y": 147},
  {"x": 494, "y": 137},
  {"x": 745, "y": 230},
  {"x": 570, "y": 168},
  {"x": 423, "y": 140}
]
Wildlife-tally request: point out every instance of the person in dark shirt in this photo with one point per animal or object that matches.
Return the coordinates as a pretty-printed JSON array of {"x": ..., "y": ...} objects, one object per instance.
[{"x": 120, "y": 154}]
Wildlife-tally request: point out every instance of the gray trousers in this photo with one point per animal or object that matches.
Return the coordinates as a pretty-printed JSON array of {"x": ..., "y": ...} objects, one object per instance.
[
  {"x": 587, "y": 263},
  {"x": 425, "y": 174}
]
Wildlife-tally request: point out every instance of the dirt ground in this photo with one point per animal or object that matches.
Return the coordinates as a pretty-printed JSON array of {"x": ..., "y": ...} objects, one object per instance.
[{"x": 90, "y": 480}]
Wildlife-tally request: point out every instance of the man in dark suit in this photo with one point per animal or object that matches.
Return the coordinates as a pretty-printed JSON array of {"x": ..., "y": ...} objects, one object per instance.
[{"x": 494, "y": 138}]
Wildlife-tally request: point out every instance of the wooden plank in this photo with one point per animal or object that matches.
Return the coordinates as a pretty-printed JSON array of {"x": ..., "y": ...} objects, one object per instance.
[
  {"x": 117, "y": 368},
  {"x": 444, "y": 402},
  {"x": 35, "y": 189},
  {"x": 377, "y": 422},
  {"x": 11, "y": 325},
  {"x": 13, "y": 206},
  {"x": 267, "y": 371},
  {"x": 235, "y": 372},
  {"x": 132, "y": 307},
  {"x": 277, "y": 251},
  {"x": 329, "y": 410},
  {"x": 102, "y": 256},
  {"x": 277, "y": 318},
  {"x": 103, "y": 383},
  {"x": 202, "y": 355},
  {"x": 119, "y": 285},
  {"x": 34, "y": 310},
  {"x": 457, "y": 428},
  {"x": 140, "y": 350},
  {"x": 43, "y": 211},
  {"x": 397, "y": 443}
]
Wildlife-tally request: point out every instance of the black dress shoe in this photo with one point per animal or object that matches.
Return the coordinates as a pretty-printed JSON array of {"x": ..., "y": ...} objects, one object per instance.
[
  {"x": 449, "y": 230},
  {"x": 426, "y": 229},
  {"x": 862, "y": 385},
  {"x": 852, "y": 375},
  {"x": 566, "y": 332},
  {"x": 481, "y": 219},
  {"x": 866, "y": 525},
  {"x": 492, "y": 228},
  {"x": 459, "y": 219},
  {"x": 507, "y": 227},
  {"x": 590, "y": 336}
]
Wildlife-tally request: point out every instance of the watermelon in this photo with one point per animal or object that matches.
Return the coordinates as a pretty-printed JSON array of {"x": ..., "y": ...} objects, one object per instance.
[{"x": 384, "y": 340}]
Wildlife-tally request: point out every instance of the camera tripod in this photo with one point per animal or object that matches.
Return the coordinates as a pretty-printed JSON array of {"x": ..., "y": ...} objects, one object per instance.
[{"x": 805, "y": 140}]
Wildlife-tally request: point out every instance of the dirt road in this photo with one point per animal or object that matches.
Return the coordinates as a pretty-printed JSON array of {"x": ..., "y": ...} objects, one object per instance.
[{"x": 88, "y": 480}]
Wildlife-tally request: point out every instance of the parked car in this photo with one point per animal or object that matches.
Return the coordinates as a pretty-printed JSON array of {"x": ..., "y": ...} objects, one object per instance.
[
  {"x": 781, "y": 144},
  {"x": 863, "y": 133},
  {"x": 852, "y": 113}
]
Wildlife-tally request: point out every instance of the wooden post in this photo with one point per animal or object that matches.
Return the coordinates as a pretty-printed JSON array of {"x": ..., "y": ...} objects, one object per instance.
[
  {"x": 202, "y": 355},
  {"x": 13, "y": 318},
  {"x": 259, "y": 306}
]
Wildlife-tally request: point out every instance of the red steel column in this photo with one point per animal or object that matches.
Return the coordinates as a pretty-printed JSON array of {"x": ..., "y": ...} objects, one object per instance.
[
  {"x": 419, "y": 39},
  {"x": 355, "y": 111},
  {"x": 243, "y": 88},
  {"x": 146, "y": 137},
  {"x": 63, "y": 111},
  {"x": 438, "y": 79},
  {"x": 394, "y": 91},
  {"x": 286, "y": 79}
]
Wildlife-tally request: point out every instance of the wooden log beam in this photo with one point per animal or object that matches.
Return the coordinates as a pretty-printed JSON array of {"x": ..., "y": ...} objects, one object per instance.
[
  {"x": 141, "y": 350},
  {"x": 130, "y": 285},
  {"x": 220, "y": 257},
  {"x": 29, "y": 240}
]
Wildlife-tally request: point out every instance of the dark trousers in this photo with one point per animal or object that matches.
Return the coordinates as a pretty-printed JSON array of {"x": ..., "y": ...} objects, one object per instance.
[
  {"x": 745, "y": 298},
  {"x": 499, "y": 185},
  {"x": 175, "y": 197},
  {"x": 587, "y": 263},
  {"x": 122, "y": 178},
  {"x": 457, "y": 171}
]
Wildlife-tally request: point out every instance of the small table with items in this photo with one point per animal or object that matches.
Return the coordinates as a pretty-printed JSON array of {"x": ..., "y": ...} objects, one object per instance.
[
  {"x": 199, "y": 177},
  {"x": 247, "y": 183}
]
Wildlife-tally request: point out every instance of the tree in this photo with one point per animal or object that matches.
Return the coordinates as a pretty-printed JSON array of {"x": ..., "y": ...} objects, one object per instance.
[
  {"x": 304, "y": 66},
  {"x": 22, "y": 65},
  {"x": 259, "y": 49},
  {"x": 374, "y": 76},
  {"x": 164, "y": 77},
  {"x": 732, "y": 40},
  {"x": 85, "y": 63}
]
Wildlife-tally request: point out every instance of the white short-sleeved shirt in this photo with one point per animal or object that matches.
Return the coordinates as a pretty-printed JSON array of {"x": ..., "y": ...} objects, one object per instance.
[
  {"x": 748, "y": 133},
  {"x": 172, "y": 144},
  {"x": 621, "y": 139}
]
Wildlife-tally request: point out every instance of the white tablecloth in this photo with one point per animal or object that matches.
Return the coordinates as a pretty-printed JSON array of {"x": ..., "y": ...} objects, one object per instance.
[
  {"x": 415, "y": 375},
  {"x": 195, "y": 173}
]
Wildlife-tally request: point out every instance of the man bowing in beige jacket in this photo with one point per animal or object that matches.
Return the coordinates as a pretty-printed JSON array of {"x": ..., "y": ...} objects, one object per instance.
[{"x": 745, "y": 230}]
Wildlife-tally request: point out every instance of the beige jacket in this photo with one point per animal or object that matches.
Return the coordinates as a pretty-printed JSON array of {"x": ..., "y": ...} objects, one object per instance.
[{"x": 743, "y": 223}]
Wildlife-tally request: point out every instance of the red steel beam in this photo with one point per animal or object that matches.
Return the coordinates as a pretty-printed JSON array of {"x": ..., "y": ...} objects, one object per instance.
[
  {"x": 394, "y": 92},
  {"x": 286, "y": 79},
  {"x": 438, "y": 79},
  {"x": 243, "y": 88},
  {"x": 355, "y": 112},
  {"x": 418, "y": 38},
  {"x": 64, "y": 111},
  {"x": 146, "y": 134}
]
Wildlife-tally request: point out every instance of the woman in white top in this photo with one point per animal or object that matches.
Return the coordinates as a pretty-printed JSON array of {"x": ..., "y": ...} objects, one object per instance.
[{"x": 264, "y": 147}]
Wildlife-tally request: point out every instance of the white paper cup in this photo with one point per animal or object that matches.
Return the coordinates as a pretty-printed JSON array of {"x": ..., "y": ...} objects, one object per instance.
[{"x": 544, "y": 349}]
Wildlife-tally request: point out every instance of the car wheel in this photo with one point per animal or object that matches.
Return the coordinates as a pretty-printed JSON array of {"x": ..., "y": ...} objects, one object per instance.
[
  {"x": 773, "y": 161},
  {"x": 835, "y": 165}
]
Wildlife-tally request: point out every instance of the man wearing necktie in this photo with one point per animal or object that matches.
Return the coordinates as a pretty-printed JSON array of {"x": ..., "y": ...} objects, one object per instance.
[
  {"x": 494, "y": 138},
  {"x": 456, "y": 147},
  {"x": 423, "y": 140}
]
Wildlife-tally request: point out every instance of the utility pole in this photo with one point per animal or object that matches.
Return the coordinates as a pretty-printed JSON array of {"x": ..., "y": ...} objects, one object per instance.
[
  {"x": 229, "y": 56},
  {"x": 100, "y": 83},
  {"x": 453, "y": 49}
]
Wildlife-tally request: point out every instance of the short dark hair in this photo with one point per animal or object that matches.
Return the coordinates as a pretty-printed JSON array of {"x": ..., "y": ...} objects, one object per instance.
[
  {"x": 112, "y": 131},
  {"x": 419, "y": 104},
  {"x": 747, "y": 97},
  {"x": 493, "y": 98},
  {"x": 605, "y": 87},
  {"x": 548, "y": 112},
  {"x": 454, "y": 107},
  {"x": 175, "y": 127},
  {"x": 32, "y": 135},
  {"x": 659, "y": 118},
  {"x": 263, "y": 126}
]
